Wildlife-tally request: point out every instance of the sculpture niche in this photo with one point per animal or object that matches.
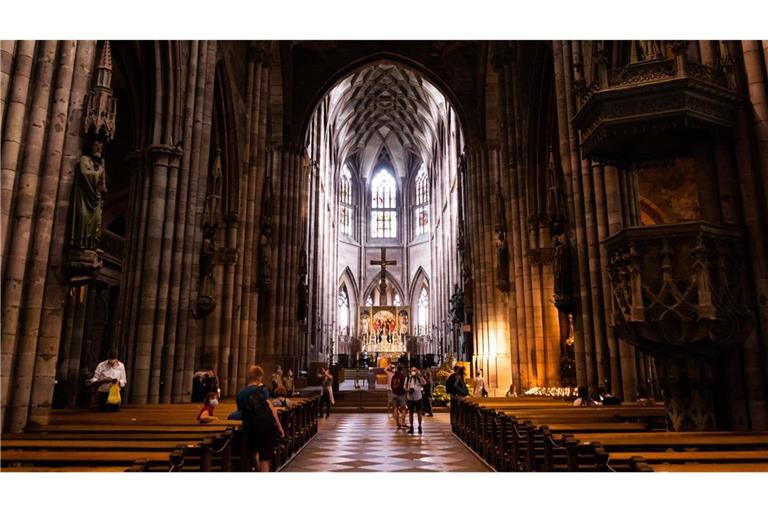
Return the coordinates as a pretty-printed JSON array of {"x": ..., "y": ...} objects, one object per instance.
[
  {"x": 206, "y": 296},
  {"x": 502, "y": 250},
  {"x": 83, "y": 257}
]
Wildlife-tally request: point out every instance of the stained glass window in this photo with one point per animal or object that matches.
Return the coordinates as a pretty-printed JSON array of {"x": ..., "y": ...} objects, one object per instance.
[
  {"x": 422, "y": 189},
  {"x": 345, "y": 202},
  {"x": 422, "y": 220},
  {"x": 383, "y": 205},
  {"x": 421, "y": 212}
]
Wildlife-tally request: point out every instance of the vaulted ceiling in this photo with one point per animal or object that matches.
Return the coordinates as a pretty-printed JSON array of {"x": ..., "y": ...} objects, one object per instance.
[{"x": 386, "y": 103}]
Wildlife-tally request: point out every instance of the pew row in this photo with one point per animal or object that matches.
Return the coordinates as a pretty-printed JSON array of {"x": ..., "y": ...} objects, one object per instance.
[
  {"x": 150, "y": 438},
  {"x": 513, "y": 434}
]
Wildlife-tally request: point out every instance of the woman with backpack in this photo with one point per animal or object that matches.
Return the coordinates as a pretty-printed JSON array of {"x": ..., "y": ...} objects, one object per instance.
[
  {"x": 398, "y": 397},
  {"x": 261, "y": 424}
]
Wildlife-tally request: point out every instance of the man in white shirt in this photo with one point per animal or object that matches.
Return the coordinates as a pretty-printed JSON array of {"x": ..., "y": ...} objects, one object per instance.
[
  {"x": 414, "y": 386},
  {"x": 107, "y": 373}
]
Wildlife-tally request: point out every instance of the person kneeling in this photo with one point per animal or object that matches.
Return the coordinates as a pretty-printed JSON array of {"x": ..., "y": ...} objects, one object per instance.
[{"x": 209, "y": 404}]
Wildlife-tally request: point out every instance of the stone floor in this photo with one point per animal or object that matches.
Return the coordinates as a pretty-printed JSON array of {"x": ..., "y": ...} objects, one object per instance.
[{"x": 369, "y": 442}]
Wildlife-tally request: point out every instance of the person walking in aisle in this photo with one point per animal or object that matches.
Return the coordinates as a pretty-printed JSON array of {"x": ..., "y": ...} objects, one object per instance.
[
  {"x": 390, "y": 371},
  {"x": 415, "y": 386},
  {"x": 261, "y": 424},
  {"x": 326, "y": 390},
  {"x": 427, "y": 394},
  {"x": 398, "y": 397}
]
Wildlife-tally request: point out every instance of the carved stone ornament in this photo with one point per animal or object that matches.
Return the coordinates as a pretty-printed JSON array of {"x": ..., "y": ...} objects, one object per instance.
[
  {"x": 206, "y": 296},
  {"x": 678, "y": 294},
  {"x": 677, "y": 288},
  {"x": 302, "y": 287},
  {"x": 654, "y": 109},
  {"x": 83, "y": 258},
  {"x": 265, "y": 241},
  {"x": 457, "y": 305},
  {"x": 561, "y": 269},
  {"x": 502, "y": 249}
]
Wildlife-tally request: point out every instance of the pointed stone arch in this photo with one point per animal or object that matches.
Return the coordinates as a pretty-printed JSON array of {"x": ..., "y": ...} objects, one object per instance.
[{"x": 391, "y": 281}]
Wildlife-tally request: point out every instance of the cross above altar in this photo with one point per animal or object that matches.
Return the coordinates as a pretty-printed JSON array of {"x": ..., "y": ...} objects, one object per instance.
[{"x": 383, "y": 262}]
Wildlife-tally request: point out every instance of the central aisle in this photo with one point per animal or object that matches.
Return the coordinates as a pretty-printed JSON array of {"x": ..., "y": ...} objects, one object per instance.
[{"x": 369, "y": 442}]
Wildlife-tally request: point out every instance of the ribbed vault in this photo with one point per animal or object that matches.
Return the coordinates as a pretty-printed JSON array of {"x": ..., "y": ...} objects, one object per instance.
[{"x": 385, "y": 100}]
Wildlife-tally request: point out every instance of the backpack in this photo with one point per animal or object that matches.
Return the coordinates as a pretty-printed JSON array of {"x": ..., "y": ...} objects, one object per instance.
[
  {"x": 450, "y": 385},
  {"x": 257, "y": 416},
  {"x": 398, "y": 384}
]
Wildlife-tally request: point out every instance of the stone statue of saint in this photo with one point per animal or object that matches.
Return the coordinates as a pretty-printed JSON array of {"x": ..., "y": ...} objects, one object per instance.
[
  {"x": 502, "y": 251},
  {"x": 457, "y": 305},
  {"x": 650, "y": 50},
  {"x": 561, "y": 270},
  {"x": 265, "y": 247},
  {"x": 206, "y": 296},
  {"x": 403, "y": 325},
  {"x": 87, "y": 203}
]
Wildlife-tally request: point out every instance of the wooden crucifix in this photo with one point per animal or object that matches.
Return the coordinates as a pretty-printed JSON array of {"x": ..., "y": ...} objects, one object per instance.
[{"x": 383, "y": 262}]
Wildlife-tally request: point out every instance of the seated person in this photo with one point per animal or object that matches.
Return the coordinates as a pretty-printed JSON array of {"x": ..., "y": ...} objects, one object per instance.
[
  {"x": 583, "y": 398},
  {"x": 280, "y": 399},
  {"x": 511, "y": 392},
  {"x": 209, "y": 404},
  {"x": 609, "y": 398},
  {"x": 643, "y": 397}
]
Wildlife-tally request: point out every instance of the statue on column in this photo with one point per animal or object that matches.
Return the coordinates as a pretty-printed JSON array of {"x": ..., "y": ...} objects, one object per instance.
[
  {"x": 302, "y": 303},
  {"x": 87, "y": 202},
  {"x": 83, "y": 258},
  {"x": 502, "y": 251},
  {"x": 650, "y": 50},
  {"x": 457, "y": 305},
  {"x": 562, "y": 272},
  {"x": 206, "y": 295},
  {"x": 265, "y": 240}
]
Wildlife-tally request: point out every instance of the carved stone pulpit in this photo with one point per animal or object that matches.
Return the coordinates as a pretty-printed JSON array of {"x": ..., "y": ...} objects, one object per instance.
[{"x": 678, "y": 294}]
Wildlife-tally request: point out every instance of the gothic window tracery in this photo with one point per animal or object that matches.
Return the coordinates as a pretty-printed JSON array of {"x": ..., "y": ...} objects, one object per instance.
[
  {"x": 345, "y": 202},
  {"x": 421, "y": 212},
  {"x": 343, "y": 311},
  {"x": 383, "y": 205},
  {"x": 422, "y": 312}
]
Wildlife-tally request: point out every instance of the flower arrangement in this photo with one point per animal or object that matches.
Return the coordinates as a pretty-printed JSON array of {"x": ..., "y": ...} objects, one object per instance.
[{"x": 439, "y": 396}]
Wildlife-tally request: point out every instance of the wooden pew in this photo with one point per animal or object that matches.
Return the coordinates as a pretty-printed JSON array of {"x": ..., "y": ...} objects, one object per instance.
[
  {"x": 125, "y": 459},
  {"x": 591, "y": 452},
  {"x": 88, "y": 439}
]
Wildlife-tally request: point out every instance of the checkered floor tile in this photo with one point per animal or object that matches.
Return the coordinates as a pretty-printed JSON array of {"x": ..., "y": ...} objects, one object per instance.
[{"x": 370, "y": 442}]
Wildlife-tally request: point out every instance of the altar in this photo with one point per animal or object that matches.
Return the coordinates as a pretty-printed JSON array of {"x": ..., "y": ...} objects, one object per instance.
[{"x": 384, "y": 331}]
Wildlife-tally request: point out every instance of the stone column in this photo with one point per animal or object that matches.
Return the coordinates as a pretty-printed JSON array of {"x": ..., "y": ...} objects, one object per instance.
[
  {"x": 56, "y": 306},
  {"x": 145, "y": 386},
  {"x": 13, "y": 128},
  {"x": 756, "y": 68},
  {"x": 34, "y": 282},
  {"x": 24, "y": 211},
  {"x": 193, "y": 74}
]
